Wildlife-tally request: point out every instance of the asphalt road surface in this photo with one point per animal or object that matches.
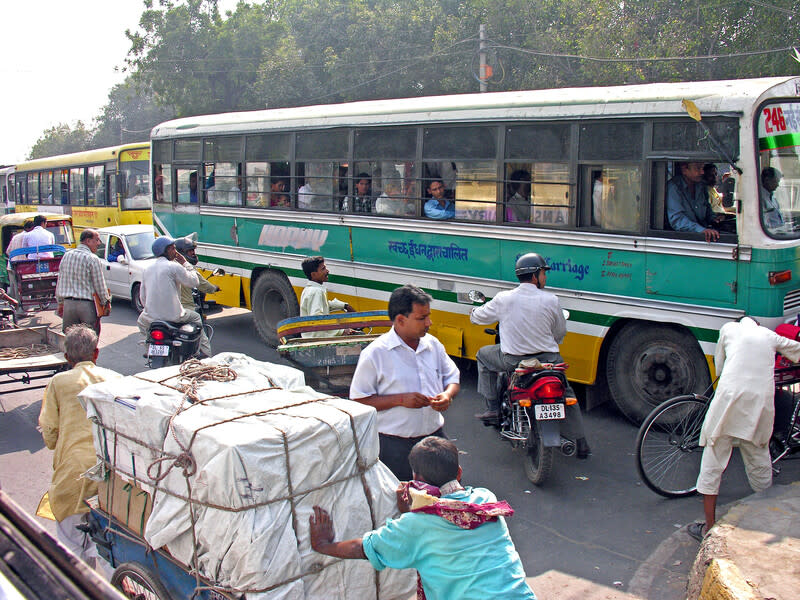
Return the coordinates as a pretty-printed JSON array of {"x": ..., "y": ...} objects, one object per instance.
[{"x": 593, "y": 530}]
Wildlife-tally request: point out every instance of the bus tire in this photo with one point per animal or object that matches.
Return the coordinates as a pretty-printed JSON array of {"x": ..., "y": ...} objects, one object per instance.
[
  {"x": 647, "y": 364},
  {"x": 136, "y": 301},
  {"x": 136, "y": 581},
  {"x": 273, "y": 299}
]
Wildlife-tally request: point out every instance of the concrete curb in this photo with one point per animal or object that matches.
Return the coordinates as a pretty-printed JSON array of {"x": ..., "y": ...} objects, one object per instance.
[
  {"x": 752, "y": 551},
  {"x": 723, "y": 581}
]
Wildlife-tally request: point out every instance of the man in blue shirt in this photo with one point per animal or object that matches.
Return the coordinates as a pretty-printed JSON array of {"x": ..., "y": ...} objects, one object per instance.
[
  {"x": 688, "y": 208},
  {"x": 455, "y": 557},
  {"x": 439, "y": 207}
]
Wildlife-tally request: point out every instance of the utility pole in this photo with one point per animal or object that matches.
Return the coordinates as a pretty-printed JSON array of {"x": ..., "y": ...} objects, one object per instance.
[{"x": 483, "y": 76}]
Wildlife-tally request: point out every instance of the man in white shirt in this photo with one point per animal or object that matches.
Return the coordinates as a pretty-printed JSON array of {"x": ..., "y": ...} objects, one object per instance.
[
  {"x": 742, "y": 410},
  {"x": 408, "y": 378},
  {"x": 531, "y": 325},
  {"x": 161, "y": 290},
  {"x": 314, "y": 299},
  {"x": 39, "y": 236}
]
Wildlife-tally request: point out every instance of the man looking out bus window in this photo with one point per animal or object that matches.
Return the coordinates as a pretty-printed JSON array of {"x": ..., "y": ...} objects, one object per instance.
[
  {"x": 439, "y": 207},
  {"x": 688, "y": 208}
]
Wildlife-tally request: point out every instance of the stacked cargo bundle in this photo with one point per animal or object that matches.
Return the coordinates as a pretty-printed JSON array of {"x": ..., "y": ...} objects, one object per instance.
[{"x": 222, "y": 466}]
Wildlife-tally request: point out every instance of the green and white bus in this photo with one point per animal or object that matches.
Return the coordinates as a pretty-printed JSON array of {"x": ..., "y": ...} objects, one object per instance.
[{"x": 578, "y": 175}]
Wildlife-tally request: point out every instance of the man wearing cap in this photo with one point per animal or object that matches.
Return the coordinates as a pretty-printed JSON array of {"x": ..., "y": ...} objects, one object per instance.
[
  {"x": 80, "y": 277},
  {"x": 161, "y": 291}
]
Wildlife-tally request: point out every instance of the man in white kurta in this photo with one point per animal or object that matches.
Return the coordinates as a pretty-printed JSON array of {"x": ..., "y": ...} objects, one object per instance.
[
  {"x": 314, "y": 299},
  {"x": 742, "y": 410}
]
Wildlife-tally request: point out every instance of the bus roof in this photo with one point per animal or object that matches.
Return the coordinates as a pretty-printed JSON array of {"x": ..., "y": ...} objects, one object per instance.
[
  {"x": 79, "y": 158},
  {"x": 712, "y": 97}
]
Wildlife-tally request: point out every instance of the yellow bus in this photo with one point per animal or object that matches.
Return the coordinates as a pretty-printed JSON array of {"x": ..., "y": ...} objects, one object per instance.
[{"x": 98, "y": 188}]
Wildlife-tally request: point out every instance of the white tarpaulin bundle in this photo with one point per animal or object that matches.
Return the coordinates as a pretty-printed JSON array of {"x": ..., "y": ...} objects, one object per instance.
[{"x": 251, "y": 458}]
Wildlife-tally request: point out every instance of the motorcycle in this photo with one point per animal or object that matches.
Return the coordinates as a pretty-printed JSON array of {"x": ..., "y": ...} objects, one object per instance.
[
  {"x": 532, "y": 410},
  {"x": 173, "y": 343}
]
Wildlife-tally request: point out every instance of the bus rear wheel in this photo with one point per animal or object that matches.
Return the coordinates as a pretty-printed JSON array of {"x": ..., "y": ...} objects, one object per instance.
[
  {"x": 272, "y": 299},
  {"x": 648, "y": 363}
]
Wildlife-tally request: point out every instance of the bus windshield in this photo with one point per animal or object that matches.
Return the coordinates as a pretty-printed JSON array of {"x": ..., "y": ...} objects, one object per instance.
[
  {"x": 779, "y": 169},
  {"x": 134, "y": 184},
  {"x": 62, "y": 232}
]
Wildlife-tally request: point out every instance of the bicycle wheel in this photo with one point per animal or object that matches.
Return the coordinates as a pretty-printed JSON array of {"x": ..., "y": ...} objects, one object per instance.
[{"x": 668, "y": 452}]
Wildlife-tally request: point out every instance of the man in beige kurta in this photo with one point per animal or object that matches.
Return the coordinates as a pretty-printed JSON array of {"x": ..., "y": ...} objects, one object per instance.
[
  {"x": 67, "y": 432},
  {"x": 742, "y": 410}
]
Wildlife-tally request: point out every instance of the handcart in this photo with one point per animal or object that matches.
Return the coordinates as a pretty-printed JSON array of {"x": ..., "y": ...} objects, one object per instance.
[
  {"x": 36, "y": 278},
  {"x": 331, "y": 360},
  {"x": 141, "y": 572},
  {"x": 28, "y": 354}
]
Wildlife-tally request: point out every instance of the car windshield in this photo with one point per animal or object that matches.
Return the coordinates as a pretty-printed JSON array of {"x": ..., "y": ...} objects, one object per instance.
[{"x": 140, "y": 244}]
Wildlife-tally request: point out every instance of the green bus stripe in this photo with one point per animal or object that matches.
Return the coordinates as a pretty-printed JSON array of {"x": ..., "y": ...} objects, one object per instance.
[
  {"x": 579, "y": 316},
  {"x": 779, "y": 141}
]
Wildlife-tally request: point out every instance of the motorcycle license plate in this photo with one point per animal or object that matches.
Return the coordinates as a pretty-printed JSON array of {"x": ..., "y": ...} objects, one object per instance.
[
  {"x": 548, "y": 412},
  {"x": 158, "y": 350}
]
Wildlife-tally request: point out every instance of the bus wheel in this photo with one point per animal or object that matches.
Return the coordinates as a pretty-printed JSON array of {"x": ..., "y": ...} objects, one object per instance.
[
  {"x": 273, "y": 299},
  {"x": 648, "y": 364}
]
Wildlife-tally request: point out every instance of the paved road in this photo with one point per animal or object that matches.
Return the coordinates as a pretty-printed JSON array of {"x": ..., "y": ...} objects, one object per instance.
[{"x": 592, "y": 531}]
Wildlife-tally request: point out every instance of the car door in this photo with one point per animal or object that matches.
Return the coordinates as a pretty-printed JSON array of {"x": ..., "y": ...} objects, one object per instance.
[{"x": 116, "y": 273}]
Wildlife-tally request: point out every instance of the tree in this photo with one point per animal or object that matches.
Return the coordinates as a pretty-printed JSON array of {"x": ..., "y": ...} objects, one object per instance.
[
  {"x": 62, "y": 139},
  {"x": 129, "y": 115}
]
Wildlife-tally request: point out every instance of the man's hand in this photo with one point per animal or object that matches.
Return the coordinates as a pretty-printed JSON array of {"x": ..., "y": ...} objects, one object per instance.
[
  {"x": 414, "y": 400},
  {"x": 711, "y": 235},
  {"x": 320, "y": 527},
  {"x": 179, "y": 258},
  {"x": 349, "y": 308},
  {"x": 441, "y": 402}
]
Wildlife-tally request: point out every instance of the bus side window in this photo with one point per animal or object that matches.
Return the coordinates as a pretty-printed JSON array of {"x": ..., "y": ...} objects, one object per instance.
[{"x": 615, "y": 196}]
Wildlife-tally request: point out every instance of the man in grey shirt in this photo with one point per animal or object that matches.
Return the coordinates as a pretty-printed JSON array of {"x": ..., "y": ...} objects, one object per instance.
[{"x": 161, "y": 290}]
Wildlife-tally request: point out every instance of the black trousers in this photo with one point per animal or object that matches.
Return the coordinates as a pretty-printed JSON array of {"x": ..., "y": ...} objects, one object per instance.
[{"x": 395, "y": 450}]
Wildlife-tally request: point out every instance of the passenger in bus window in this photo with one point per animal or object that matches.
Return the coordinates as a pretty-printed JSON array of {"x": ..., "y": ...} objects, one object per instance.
[
  {"x": 159, "y": 181},
  {"x": 710, "y": 178},
  {"x": 278, "y": 197},
  {"x": 770, "y": 178},
  {"x": 305, "y": 196},
  {"x": 64, "y": 193},
  {"x": 193, "y": 187},
  {"x": 361, "y": 202},
  {"x": 392, "y": 202},
  {"x": 439, "y": 207},
  {"x": 518, "y": 201},
  {"x": 688, "y": 208}
]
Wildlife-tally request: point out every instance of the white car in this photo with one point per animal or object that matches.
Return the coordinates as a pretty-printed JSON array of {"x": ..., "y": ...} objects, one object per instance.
[{"x": 126, "y": 252}]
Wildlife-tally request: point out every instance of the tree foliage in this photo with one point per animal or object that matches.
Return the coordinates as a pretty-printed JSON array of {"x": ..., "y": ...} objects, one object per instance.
[
  {"x": 61, "y": 139},
  {"x": 187, "y": 59}
]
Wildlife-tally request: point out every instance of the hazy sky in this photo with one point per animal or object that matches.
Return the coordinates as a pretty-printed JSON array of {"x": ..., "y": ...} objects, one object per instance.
[{"x": 60, "y": 59}]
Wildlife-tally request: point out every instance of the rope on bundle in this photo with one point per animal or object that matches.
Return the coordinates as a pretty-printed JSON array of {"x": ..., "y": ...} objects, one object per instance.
[
  {"x": 194, "y": 372},
  {"x": 24, "y": 351}
]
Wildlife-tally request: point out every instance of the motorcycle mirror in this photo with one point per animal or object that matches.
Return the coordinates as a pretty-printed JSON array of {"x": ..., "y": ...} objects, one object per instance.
[
  {"x": 565, "y": 312},
  {"x": 476, "y": 296},
  {"x": 218, "y": 272}
]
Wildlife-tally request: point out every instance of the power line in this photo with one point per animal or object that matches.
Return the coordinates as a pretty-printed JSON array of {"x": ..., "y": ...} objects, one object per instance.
[{"x": 638, "y": 59}]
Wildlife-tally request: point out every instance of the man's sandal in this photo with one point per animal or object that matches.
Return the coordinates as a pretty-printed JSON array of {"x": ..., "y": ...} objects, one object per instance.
[{"x": 697, "y": 530}]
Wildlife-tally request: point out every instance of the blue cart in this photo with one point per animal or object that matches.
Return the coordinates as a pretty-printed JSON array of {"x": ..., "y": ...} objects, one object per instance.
[{"x": 142, "y": 573}]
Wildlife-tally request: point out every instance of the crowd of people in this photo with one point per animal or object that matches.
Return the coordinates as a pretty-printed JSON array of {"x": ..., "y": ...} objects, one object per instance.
[{"x": 406, "y": 375}]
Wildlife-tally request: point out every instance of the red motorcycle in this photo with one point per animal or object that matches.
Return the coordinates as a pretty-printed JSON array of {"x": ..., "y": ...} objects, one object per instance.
[{"x": 532, "y": 410}]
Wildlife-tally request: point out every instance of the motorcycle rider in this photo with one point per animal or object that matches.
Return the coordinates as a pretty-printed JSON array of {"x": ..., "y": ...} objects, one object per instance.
[
  {"x": 186, "y": 247},
  {"x": 160, "y": 291},
  {"x": 531, "y": 325}
]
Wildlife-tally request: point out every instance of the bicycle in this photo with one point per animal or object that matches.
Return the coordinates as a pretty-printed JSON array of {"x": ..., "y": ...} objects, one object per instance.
[{"x": 668, "y": 451}]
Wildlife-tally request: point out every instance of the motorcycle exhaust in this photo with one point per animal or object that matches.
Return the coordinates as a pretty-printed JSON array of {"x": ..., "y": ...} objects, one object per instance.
[{"x": 567, "y": 447}]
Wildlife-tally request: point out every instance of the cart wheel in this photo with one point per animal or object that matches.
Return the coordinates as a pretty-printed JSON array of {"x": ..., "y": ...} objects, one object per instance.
[{"x": 138, "y": 583}]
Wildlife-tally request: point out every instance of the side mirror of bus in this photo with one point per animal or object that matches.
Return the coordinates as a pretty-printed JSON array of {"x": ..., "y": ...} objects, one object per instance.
[
  {"x": 565, "y": 312},
  {"x": 476, "y": 296},
  {"x": 216, "y": 272}
]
